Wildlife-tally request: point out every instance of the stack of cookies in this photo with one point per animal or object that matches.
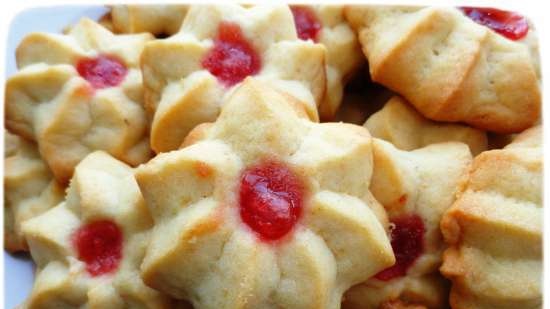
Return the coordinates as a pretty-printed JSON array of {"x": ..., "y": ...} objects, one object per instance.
[{"x": 323, "y": 156}]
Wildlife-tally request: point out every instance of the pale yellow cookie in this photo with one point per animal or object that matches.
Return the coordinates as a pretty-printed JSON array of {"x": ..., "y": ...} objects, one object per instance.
[
  {"x": 160, "y": 20},
  {"x": 450, "y": 67},
  {"x": 88, "y": 248},
  {"x": 494, "y": 229},
  {"x": 401, "y": 125},
  {"x": 77, "y": 93},
  {"x": 326, "y": 24},
  {"x": 29, "y": 188},
  {"x": 188, "y": 75},
  {"x": 415, "y": 188},
  {"x": 264, "y": 208}
]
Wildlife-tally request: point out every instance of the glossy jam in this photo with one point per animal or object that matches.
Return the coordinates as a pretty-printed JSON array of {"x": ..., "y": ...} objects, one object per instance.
[
  {"x": 509, "y": 24},
  {"x": 102, "y": 71},
  {"x": 99, "y": 246},
  {"x": 407, "y": 241},
  {"x": 271, "y": 199},
  {"x": 307, "y": 23},
  {"x": 232, "y": 58}
]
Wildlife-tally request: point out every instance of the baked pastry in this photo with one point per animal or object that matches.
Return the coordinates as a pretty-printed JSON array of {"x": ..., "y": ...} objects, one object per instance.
[
  {"x": 29, "y": 189},
  {"x": 88, "y": 248},
  {"x": 404, "y": 127},
  {"x": 160, "y": 20},
  {"x": 326, "y": 24},
  {"x": 494, "y": 229},
  {"x": 396, "y": 304},
  {"x": 452, "y": 68},
  {"x": 415, "y": 188},
  {"x": 187, "y": 75},
  {"x": 270, "y": 217},
  {"x": 77, "y": 93}
]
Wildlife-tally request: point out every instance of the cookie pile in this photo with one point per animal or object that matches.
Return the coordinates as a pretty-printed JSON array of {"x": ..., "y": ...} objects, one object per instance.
[{"x": 211, "y": 156}]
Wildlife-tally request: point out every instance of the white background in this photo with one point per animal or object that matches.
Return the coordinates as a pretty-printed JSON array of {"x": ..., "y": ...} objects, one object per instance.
[{"x": 18, "y": 275}]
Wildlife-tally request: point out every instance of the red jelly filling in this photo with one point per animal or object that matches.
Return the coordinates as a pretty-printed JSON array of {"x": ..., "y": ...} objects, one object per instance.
[
  {"x": 102, "y": 71},
  {"x": 307, "y": 24},
  {"x": 509, "y": 24},
  {"x": 271, "y": 199},
  {"x": 407, "y": 241},
  {"x": 99, "y": 245},
  {"x": 232, "y": 58}
]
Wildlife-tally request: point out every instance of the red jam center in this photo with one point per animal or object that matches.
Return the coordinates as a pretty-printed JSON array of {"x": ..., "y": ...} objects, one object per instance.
[
  {"x": 307, "y": 24},
  {"x": 509, "y": 24},
  {"x": 99, "y": 245},
  {"x": 271, "y": 199},
  {"x": 232, "y": 58},
  {"x": 102, "y": 71},
  {"x": 407, "y": 241}
]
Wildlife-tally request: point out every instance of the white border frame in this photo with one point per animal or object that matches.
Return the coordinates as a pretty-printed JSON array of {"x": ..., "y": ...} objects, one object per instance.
[{"x": 535, "y": 10}]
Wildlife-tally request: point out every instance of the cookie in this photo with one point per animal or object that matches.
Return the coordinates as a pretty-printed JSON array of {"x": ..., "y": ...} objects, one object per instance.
[
  {"x": 29, "y": 189},
  {"x": 416, "y": 188},
  {"x": 450, "y": 67},
  {"x": 326, "y": 25},
  {"x": 159, "y": 20},
  {"x": 187, "y": 75},
  {"x": 400, "y": 124},
  {"x": 494, "y": 229},
  {"x": 77, "y": 93},
  {"x": 277, "y": 214},
  {"x": 88, "y": 248}
]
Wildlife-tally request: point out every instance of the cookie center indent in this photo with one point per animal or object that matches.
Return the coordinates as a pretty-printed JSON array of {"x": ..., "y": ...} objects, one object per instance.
[
  {"x": 508, "y": 24},
  {"x": 407, "y": 241},
  {"x": 102, "y": 71},
  {"x": 307, "y": 23},
  {"x": 232, "y": 58},
  {"x": 99, "y": 245},
  {"x": 271, "y": 199}
]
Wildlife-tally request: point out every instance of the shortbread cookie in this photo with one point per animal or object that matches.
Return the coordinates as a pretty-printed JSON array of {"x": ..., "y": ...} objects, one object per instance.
[
  {"x": 160, "y": 20},
  {"x": 416, "y": 188},
  {"x": 494, "y": 229},
  {"x": 29, "y": 189},
  {"x": 406, "y": 129},
  {"x": 326, "y": 24},
  {"x": 397, "y": 304},
  {"x": 450, "y": 67},
  {"x": 264, "y": 208},
  {"x": 187, "y": 75},
  {"x": 88, "y": 248},
  {"x": 77, "y": 93}
]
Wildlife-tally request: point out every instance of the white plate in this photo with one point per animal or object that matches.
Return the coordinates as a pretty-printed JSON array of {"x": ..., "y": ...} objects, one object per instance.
[{"x": 18, "y": 270}]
